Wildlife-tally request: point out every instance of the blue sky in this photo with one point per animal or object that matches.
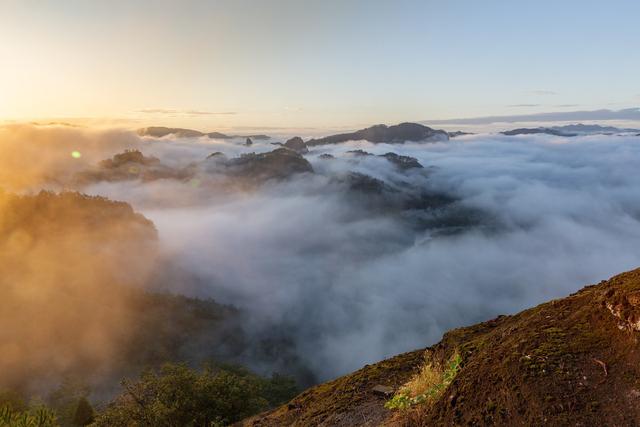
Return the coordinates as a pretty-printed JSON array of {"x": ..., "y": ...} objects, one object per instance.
[{"x": 316, "y": 64}]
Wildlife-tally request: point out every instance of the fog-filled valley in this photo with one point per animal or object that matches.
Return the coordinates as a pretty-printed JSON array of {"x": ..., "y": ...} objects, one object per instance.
[
  {"x": 305, "y": 261},
  {"x": 319, "y": 213}
]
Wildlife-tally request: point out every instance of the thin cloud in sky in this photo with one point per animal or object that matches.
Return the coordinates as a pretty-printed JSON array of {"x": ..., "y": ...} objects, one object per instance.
[
  {"x": 603, "y": 115},
  {"x": 184, "y": 112}
]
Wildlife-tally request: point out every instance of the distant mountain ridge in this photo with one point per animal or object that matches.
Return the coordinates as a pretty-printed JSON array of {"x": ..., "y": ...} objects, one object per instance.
[
  {"x": 161, "y": 131},
  {"x": 572, "y": 130},
  {"x": 534, "y": 131},
  {"x": 395, "y": 134},
  {"x": 580, "y": 128}
]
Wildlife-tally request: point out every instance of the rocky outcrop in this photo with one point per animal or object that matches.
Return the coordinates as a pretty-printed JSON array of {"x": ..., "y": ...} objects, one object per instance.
[
  {"x": 404, "y": 132},
  {"x": 417, "y": 207},
  {"x": 248, "y": 142},
  {"x": 129, "y": 165},
  {"x": 403, "y": 162},
  {"x": 297, "y": 144},
  {"x": 278, "y": 164}
]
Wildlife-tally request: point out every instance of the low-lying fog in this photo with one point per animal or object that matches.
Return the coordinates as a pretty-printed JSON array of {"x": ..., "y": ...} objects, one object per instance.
[{"x": 350, "y": 284}]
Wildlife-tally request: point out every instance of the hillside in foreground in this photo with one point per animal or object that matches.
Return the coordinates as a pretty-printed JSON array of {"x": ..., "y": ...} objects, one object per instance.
[{"x": 572, "y": 361}]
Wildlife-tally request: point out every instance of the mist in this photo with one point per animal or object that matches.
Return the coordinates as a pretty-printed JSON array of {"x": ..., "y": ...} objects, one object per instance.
[
  {"x": 36, "y": 156},
  {"x": 356, "y": 290},
  {"x": 306, "y": 260},
  {"x": 63, "y": 261}
]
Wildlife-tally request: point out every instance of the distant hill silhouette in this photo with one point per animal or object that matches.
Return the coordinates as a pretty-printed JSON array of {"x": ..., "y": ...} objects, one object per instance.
[
  {"x": 161, "y": 131},
  {"x": 403, "y": 132}
]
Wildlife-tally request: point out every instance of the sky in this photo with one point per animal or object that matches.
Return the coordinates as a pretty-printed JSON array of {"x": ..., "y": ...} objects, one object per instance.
[{"x": 264, "y": 64}]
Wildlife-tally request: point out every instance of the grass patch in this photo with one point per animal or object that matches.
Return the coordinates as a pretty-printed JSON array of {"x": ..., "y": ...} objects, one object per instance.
[{"x": 426, "y": 385}]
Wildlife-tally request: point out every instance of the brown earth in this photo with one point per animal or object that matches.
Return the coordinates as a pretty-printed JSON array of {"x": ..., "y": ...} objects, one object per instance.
[{"x": 568, "y": 362}]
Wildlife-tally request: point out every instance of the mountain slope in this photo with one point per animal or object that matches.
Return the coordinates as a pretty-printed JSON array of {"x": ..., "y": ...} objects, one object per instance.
[
  {"x": 572, "y": 361},
  {"x": 386, "y": 134}
]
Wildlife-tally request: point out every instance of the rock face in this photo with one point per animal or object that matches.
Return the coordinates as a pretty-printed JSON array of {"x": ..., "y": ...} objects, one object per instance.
[
  {"x": 532, "y": 131},
  {"x": 569, "y": 362},
  {"x": 297, "y": 144},
  {"x": 383, "y": 390},
  {"x": 396, "y": 134}
]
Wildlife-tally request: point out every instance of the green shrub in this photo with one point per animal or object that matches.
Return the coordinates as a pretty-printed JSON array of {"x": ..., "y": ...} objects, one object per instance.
[{"x": 180, "y": 396}]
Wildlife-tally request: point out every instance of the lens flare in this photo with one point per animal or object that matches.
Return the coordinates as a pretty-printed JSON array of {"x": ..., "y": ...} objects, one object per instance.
[{"x": 76, "y": 154}]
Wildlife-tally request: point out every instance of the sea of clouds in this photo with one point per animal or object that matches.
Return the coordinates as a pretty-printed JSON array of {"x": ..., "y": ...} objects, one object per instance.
[{"x": 347, "y": 286}]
